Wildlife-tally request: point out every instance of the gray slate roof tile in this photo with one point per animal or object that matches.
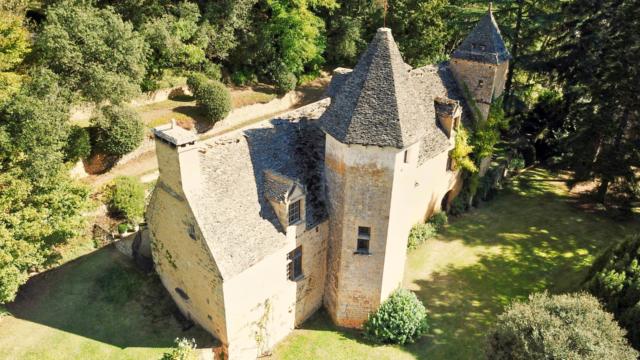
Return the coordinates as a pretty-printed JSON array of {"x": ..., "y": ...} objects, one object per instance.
[{"x": 484, "y": 43}]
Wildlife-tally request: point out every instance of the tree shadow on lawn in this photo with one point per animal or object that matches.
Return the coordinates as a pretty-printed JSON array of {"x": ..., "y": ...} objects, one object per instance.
[
  {"x": 102, "y": 296},
  {"x": 529, "y": 239}
]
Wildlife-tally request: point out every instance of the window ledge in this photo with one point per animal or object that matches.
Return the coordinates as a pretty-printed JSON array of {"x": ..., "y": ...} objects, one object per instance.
[
  {"x": 366, "y": 253},
  {"x": 299, "y": 278}
]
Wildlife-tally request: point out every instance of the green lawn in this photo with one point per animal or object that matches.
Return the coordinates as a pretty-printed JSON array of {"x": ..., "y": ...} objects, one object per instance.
[
  {"x": 530, "y": 238},
  {"x": 96, "y": 307}
]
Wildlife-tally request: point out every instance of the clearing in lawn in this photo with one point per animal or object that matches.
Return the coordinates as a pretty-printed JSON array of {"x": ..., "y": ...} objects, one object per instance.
[
  {"x": 530, "y": 238},
  {"x": 98, "y": 306}
]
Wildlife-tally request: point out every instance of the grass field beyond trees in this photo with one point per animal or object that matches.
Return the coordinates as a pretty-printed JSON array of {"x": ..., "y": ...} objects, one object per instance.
[{"x": 530, "y": 238}]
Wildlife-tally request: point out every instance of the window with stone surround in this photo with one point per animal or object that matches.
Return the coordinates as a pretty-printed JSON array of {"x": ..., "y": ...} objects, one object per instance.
[
  {"x": 364, "y": 236},
  {"x": 294, "y": 212},
  {"x": 294, "y": 267}
]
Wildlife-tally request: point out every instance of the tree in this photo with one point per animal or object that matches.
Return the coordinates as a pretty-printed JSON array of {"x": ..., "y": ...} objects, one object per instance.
[
  {"x": 40, "y": 206},
  {"x": 175, "y": 41},
  {"x": 400, "y": 319},
  {"x": 596, "y": 62},
  {"x": 94, "y": 52},
  {"x": 126, "y": 198},
  {"x": 419, "y": 28},
  {"x": 226, "y": 25},
  {"x": 614, "y": 278},
  {"x": 78, "y": 145},
  {"x": 35, "y": 127},
  {"x": 572, "y": 326},
  {"x": 117, "y": 130},
  {"x": 14, "y": 46}
]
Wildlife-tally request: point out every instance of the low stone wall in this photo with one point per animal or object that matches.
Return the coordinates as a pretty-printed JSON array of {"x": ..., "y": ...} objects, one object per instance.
[{"x": 84, "y": 112}]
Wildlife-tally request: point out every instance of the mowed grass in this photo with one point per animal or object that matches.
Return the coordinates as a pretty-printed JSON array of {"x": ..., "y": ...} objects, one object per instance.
[
  {"x": 96, "y": 307},
  {"x": 530, "y": 238}
]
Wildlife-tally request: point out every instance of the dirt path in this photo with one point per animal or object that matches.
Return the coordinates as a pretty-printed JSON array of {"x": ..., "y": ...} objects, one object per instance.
[{"x": 145, "y": 166}]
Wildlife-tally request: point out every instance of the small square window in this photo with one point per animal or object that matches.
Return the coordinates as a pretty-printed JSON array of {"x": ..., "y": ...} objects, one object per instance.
[
  {"x": 294, "y": 267},
  {"x": 480, "y": 83},
  {"x": 294, "y": 212},
  {"x": 364, "y": 236}
]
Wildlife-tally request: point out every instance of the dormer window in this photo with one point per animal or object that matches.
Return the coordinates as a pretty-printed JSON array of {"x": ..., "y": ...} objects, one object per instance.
[{"x": 294, "y": 212}]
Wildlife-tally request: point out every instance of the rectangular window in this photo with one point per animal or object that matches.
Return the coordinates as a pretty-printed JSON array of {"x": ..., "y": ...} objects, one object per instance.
[
  {"x": 294, "y": 268},
  {"x": 480, "y": 83},
  {"x": 294, "y": 212},
  {"x": 406, "y": 156},
  {"x": 364, "y": 236}
]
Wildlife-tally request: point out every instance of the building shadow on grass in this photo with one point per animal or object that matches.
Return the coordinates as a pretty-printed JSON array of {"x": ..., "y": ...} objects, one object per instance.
[
  {"x": 531, "y": 238},
  {"x": 104, "y": 297}
]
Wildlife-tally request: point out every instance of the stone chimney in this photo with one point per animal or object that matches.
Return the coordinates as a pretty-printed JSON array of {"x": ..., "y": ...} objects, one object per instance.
[
  {"x": 448, "y": 113},
  {"x": 178, "y": 157}
]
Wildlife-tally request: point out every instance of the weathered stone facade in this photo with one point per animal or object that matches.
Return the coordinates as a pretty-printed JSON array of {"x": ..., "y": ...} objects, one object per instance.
[{"x": 254, "y": 231}]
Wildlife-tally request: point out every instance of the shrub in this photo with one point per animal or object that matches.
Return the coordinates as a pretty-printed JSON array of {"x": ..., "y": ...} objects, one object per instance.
[
  {"x": 439, "y": 220},
  {"x": 79, "y": 144},
  {"x": 422, "y": 232},
  {"x": 214, "y": 99},
  {"x": 195, "y": 80},
  {"x": 572, "y": 326},
  {"x": 614, "y": 278},
  {"x": 285, "y": 81},
  {"x": 117, "y": 130},
  {"x": 242, "y": 77},
  {"x": 126, "y": 197},
  {"x": 184, "y": 350},
  {"x": 400, "y": 319},
  {"x": 419, "y": 234}
]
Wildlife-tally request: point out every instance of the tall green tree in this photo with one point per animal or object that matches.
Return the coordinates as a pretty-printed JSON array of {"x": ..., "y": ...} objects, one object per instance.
[
  {"x": 95, "y": 53},
  {"x": 597, "y": 64},
  {"x": 14, "y": 46},
  {"x": 175, "y": 41},
  {"x": 40, "y": 206}
]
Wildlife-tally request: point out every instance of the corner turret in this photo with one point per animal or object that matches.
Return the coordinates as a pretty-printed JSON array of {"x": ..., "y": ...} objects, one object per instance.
[{"x": 480, "y": 64}]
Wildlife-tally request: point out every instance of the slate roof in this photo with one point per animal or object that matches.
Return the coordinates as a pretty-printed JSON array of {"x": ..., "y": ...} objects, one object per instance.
[
  {"x": 237, "y": 221},
  {"x": 484, "y": 44},
  {"x": 276, "y": 186},
  {"x": 377, "y": 105}
]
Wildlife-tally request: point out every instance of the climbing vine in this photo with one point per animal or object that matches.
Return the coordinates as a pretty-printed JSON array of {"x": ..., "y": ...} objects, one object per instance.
[
  {"x": 487, "y": 133},
  {"x": 461, "y": 151},
  {"x": 261, "y": 332}
]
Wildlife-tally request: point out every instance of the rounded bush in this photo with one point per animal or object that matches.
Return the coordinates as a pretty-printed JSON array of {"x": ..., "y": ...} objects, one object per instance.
[
  {"x": 78, "y": 145},
  {"x": 400, "y": 319},
  {"x": 439, "y": 220},
  {"x": 195, "y": 81},
  {"x": 126, "y": 198},
  {"x": 285, "y": 81},
  {"x": 572, "y": 326},
  {"x": 214, "y": 99},
  {"x": 118, "y": 130},
  {"x": 614, "y": 278}
]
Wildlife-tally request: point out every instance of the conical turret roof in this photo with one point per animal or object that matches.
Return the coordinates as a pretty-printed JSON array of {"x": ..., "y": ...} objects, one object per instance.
[
  {"x": 484, "y": 44},
  {"x": 377, "y": 104}
]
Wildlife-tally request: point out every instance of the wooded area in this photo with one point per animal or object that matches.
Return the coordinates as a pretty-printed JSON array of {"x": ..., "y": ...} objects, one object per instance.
[{"x": 571, "y": 99}]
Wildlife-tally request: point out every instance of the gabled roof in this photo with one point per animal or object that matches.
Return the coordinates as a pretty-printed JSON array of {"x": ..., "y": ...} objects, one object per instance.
[
  {"x": 377, "y": 104},
  {"x": 231, "y": 207},
  {"x": 278, "y": 187},
  {"x": 484, "y": 44}
]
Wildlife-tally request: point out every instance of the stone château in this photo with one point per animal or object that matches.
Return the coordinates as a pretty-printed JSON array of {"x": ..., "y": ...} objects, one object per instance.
[{"x": 254, "y": 231}]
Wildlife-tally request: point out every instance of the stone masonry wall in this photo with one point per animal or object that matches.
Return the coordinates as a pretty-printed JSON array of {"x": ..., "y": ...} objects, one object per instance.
[
  {"x": 359, "y": 183},
  {"x": 263, "y": 305},
  {"x": 181, "y": 261},
  {"x": 470, "y": 74}
]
